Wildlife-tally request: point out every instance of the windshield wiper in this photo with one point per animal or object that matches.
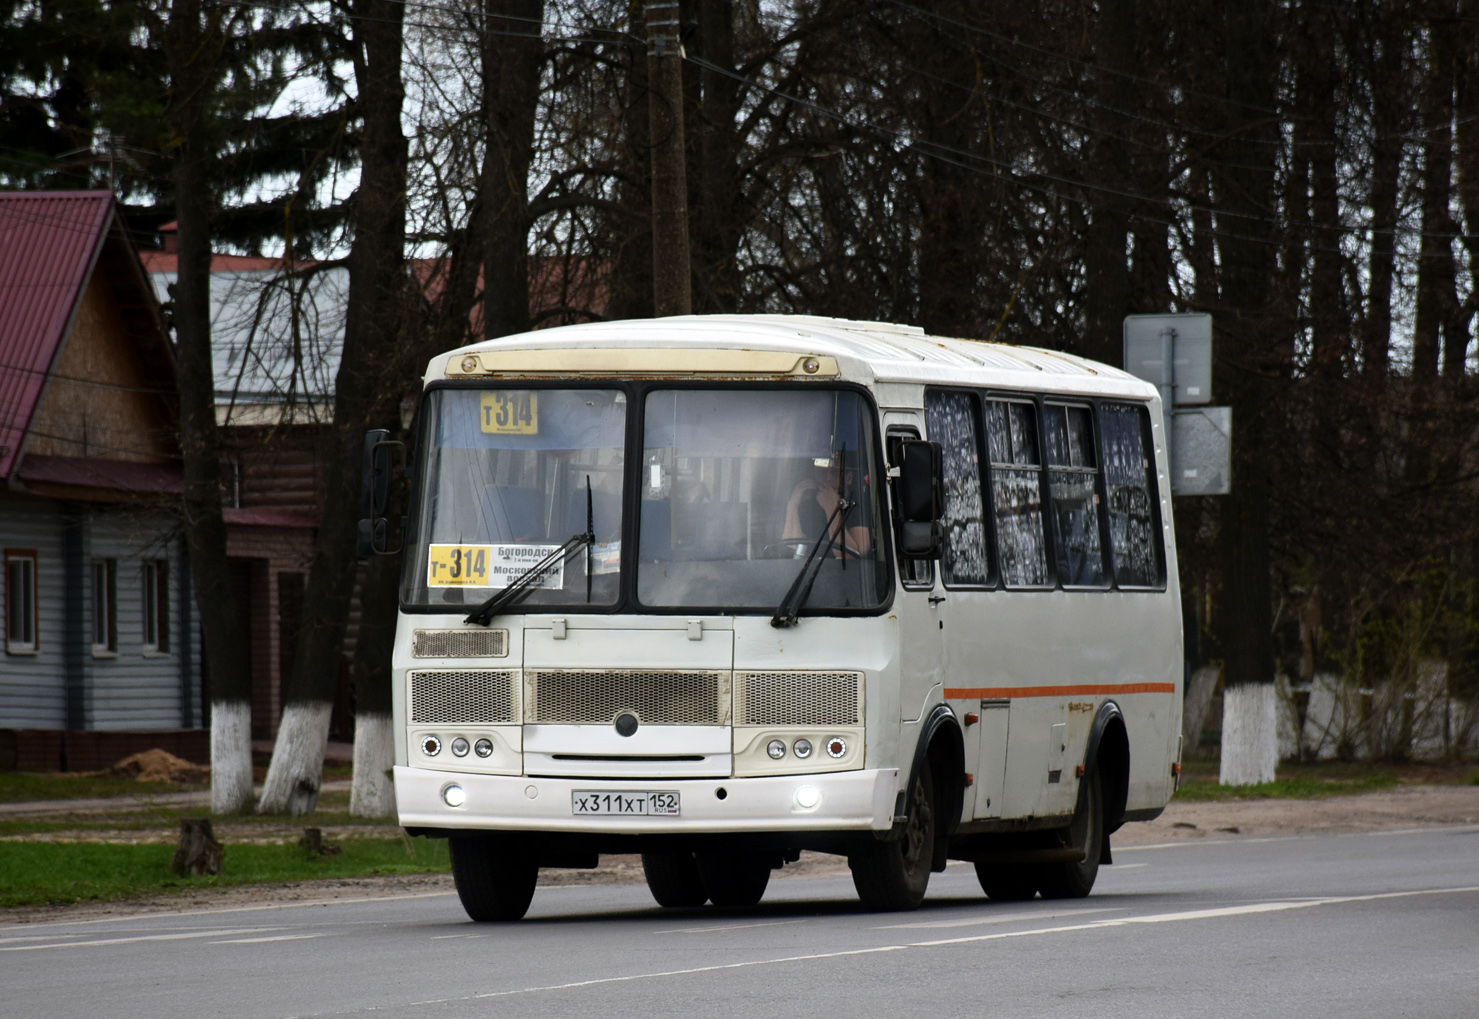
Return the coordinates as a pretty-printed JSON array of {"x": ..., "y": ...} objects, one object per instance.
[
  {"x": 524, "y": 582},
  {"x": 786, "y": 612}
]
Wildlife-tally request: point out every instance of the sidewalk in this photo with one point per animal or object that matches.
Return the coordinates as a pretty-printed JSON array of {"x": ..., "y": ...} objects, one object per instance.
[{"x": 143, "y": 801}]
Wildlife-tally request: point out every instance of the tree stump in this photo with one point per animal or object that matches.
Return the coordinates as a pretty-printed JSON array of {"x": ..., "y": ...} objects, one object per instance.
[
  {"x": 313, "y": 843},
  {"x": 199, "y": 853}
]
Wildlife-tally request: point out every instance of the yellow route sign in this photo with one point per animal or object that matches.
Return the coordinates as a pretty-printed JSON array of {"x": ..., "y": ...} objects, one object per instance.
[{"x": 510, "y": 412}]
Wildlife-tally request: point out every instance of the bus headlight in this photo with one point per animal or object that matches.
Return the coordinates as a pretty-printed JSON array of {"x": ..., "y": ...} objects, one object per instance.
[
  {"x": 776, "y": 749},
  {"x": 431, "y": 746},
  {"x": 483, "y": 748},
  {"x": 836, "y": 747},
  {"x": 454, "y": 795},
  {"x": 808, "y": 796},
  {"x": 459, "y": 747},
  {"x": 801, "y": 748}
]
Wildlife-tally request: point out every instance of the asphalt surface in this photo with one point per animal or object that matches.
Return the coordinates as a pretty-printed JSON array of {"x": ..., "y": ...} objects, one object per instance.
[{"x": 1379, "y": 924}]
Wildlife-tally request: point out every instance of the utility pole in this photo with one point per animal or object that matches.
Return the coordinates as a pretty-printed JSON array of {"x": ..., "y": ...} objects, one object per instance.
[{"x": 672, "y": 288}]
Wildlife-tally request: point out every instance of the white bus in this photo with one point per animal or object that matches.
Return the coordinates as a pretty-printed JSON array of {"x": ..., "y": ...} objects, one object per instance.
[{"x": 721, "y": 589}]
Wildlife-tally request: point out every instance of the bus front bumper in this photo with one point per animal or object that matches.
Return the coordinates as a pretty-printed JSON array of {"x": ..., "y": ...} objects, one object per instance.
[{"x": 844, "y": 801}]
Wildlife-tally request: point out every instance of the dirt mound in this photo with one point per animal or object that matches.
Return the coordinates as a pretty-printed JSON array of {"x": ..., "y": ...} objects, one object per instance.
[{"x": 159, "y": 766}]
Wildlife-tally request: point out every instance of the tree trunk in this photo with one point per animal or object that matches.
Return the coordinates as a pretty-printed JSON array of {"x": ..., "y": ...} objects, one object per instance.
[
  {"x": 717, "y": 223},
  {"x": 1106, "y": 265},
  {"x": 672, "y": 267},
  {"x": 365, "y": 393},
  {"x": 1248, "y": 364},
  {"x": 1388, "y": 107},
  {"x": 372, "y": 793},
  {"x": 510, "y": 101},
  {"x": 192, "y": 43}
]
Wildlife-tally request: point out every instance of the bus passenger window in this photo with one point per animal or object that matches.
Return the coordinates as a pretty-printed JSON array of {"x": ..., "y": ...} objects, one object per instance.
[
  {"x": 1016, "y": 486},
  {"x": 1133, "y": 535},
  {"x": 951, "y": 419},
  {"x": 1071, "y": 480}
]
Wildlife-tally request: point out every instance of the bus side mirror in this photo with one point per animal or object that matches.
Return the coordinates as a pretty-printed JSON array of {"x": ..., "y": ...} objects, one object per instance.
[
  {"x": 377, "y": 471},
  {"x": 921, "y": 469}
]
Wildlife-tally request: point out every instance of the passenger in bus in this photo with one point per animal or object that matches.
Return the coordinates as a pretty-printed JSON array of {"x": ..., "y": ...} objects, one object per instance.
[{"x": 812, "y": 503}]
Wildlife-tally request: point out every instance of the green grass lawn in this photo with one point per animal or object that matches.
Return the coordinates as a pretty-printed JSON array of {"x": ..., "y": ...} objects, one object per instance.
[
  {"x": 40, "y": 873},
  {"x": 20, "y": 787}
]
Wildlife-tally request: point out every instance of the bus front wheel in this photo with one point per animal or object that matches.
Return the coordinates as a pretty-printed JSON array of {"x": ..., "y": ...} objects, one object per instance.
[
  {"x": 891, "y": 877},
  {"x": 495, "y": 880},
  {"x": 673, "y": 879}
]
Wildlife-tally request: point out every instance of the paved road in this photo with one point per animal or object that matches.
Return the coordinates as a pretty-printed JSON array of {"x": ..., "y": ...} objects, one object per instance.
[{"x": 1377, "y": 925}]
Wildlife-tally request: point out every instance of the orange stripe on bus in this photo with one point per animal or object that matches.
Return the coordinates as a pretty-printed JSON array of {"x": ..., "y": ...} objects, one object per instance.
[{"x": 1086, "y": 690}]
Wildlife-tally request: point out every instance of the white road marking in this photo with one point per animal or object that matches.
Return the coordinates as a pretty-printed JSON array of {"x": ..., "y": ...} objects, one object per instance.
[
  {"x": 444, "y": 937},
  {"x": 726, "y": 927},
  {"x": 976, "y": 921},
  {"x": 142, "y": 937},
  {"x": 257, "y": 941},
  {"x": 1197, "y": 914}
]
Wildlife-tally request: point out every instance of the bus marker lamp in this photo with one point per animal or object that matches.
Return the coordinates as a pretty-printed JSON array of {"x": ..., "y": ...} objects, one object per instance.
[
  {"x": 776, "y": 749},
  {"x": 431, "y": 746},
  {"x": 483, "y": 748},
  {"x": 836, "y": 747},
  {"x": 459, "y": 747},
  {"x": 802, "y": 748},
  {"x": 454, "y": 795},
  {"x": 808, "y": 796}
]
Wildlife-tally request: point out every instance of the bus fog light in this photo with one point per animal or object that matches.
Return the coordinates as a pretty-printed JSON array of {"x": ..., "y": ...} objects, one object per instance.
[
  {"x": 459, "y": 747},
  {"x": 483, "y": 748},
  {"x": 836, "y": 747},
  {"x": 431, "y": 746},
  {"x": 808, "y": 796},
  {"x": 454, "y": 795},
  {"x": 802, "y": 748},
  {"x": 776, "y": 749}
]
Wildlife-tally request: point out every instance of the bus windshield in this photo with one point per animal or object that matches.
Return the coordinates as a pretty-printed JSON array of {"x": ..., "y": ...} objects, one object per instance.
[
  {"x": 509, "y": 476},
  {"x": 736, "y": 488}
]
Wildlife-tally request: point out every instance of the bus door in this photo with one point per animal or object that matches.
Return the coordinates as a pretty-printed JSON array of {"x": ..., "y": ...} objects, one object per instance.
[{"x": 921, "y": 640}]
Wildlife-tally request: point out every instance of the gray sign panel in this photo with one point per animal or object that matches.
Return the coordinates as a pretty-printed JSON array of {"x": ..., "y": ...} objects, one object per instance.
[
  {"x": 1192, "y": 359},
  {"x": 1201, "y": 451}
]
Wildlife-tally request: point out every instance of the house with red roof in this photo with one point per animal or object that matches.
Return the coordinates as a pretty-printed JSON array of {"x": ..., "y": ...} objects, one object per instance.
[{"x": 101, "y": 638}]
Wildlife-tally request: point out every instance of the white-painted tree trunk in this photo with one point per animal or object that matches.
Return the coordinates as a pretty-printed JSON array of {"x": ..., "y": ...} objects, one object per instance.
[
  {"x": 297, "y": 769},
  {"x": 372, "y": 793},
  {"x": 231, "y": 756},
  {"x": 1250, "y": 736}
]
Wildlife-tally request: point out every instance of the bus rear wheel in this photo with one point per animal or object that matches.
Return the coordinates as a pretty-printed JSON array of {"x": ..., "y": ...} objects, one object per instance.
[
  {"x": 733, "y": 879},
  {"x": 673, "y": 879},
  {"x": 495, "y": 879},
  {"x": 1076, "y": 880},
  {"x": 891, "y": 877}
]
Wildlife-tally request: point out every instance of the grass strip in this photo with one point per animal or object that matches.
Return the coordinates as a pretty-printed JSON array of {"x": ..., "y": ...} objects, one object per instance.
[
  {"x": 1206, "y": 790},
  {"x": 23, "y": 787},
  {"x": 35, "y": 873}
]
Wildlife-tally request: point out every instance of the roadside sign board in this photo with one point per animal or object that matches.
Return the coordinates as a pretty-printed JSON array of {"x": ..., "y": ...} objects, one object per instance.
[
  {"x": 1192, "y": 360},
  {"x": 1201, "y": 451}
]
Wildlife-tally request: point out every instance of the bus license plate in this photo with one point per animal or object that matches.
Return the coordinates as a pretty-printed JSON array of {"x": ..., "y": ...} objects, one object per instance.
[{"x": 588, "y": 801}]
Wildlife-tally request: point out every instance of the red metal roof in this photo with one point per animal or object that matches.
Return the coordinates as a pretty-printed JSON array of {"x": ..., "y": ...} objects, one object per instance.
[
  {"x": 49, "y": 243},
  {"x": 112, "y": 475}
]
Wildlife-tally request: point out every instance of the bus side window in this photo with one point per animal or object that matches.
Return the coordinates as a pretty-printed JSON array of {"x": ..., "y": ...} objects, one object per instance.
[
  {"x": 951, "y": 419},
  {"x": 1129, "y": 482},
  {"x": 913, "y": 573},
  {"x": 1016, "y": 489},
  {"x": 1073, "y": 483}
]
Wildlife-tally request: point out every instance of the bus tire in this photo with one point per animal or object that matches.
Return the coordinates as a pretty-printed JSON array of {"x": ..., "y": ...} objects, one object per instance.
[
  {"x": 673, "y": 879},
  {"x": 733, "y": 879},
  {"x": 495, "y": 880},
  {"x": 1076, "y": 880},
  {"x": 891, "y": 877},
  {"x": 1007, "y": 882}
]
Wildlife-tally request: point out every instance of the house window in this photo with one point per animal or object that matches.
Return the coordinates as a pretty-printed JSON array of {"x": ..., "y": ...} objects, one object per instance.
[
  {"x": 20, "y": 602},
  {"x": 105, "y": 606},
  {"x": 155, "y": 595}
]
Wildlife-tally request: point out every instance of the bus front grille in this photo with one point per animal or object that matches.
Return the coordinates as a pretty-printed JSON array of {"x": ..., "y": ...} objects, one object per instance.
[
  {"x": 597, "y": 696},
  {"x": 798, "y": 698},
  {"x": 447, "y": 697},
  {"x": 459, "y": 644}
]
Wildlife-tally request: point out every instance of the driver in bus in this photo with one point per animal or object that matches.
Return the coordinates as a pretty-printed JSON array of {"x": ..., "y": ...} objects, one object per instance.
[{"x": 812, "y": 503}]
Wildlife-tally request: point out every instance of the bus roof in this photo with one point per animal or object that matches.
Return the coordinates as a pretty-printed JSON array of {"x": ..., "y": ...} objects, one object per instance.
[{"x": 861, "y": 351}]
